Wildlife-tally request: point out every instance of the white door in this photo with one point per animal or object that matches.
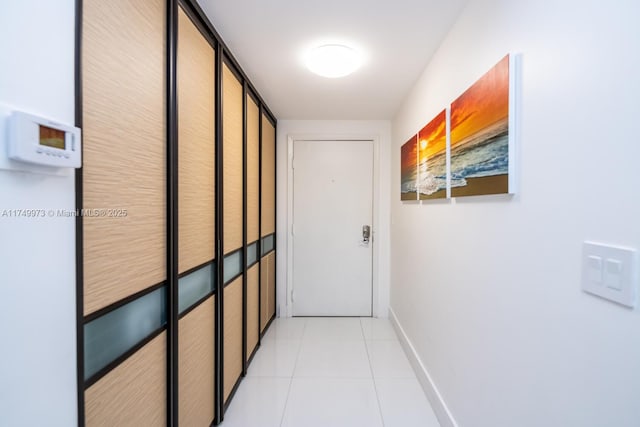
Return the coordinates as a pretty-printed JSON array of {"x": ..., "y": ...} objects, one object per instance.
[{"x": 332, "y": 202}]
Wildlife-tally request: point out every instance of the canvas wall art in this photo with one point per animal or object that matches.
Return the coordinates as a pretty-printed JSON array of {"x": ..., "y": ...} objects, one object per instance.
[
  {"x": 432, "y": 159},
  {"x": 481, "y": 135},
  {"x": 409, "y": 169}
]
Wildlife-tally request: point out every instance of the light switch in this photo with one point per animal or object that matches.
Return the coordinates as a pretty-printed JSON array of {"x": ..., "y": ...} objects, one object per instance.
[
  {"x": 594, "y": 264},
  {"x": 613, "y": 274},
  {"x": 610, "y": 272}
]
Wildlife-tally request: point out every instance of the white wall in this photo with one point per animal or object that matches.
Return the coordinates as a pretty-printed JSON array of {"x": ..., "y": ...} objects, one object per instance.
[
  {"x": 488, "y": 289},
  {"x": 37, "y": 256},
  {"x": 335, "y": 129}
]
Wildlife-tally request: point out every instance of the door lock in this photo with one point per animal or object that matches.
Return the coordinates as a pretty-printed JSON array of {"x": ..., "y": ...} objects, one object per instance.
[{"x": 366, "y": 233}]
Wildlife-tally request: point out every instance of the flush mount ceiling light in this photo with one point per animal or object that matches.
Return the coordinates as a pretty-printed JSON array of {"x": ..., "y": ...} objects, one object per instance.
[{"x": 333, "y": 60}]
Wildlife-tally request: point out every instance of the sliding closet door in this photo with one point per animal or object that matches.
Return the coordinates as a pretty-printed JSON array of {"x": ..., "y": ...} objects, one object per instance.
[
  {"x": 253, "y": 223},
  {"x": 268, "y": 223},
  {"x": 196, "y": 224},
  {"x": 232, "y": 196},
  {"x": 124, "y": 245}
]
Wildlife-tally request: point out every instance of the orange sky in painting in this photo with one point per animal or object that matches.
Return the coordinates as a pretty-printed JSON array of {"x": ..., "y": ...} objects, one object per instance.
[
  {"x": 483, "y": 104},
  {"x": 409, "y": 155},
  {"x": 435, "y": 136}
]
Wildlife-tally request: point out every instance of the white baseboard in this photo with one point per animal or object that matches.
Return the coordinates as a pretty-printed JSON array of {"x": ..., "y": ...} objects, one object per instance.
[{"x": 435, "y": 398}]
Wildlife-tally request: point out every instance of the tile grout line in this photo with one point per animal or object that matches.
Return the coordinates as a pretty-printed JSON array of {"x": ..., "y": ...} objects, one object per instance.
[
  {"x": 373, "y": 378},
  {"x": 295, "y": 365}
]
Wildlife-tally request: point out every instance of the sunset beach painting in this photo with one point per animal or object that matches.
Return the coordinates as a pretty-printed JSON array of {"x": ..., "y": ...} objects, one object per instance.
[
  {"x": 480, "y": 135},
  {"x": 409, "y": 169},
  {"x": 432, "y": 159}
]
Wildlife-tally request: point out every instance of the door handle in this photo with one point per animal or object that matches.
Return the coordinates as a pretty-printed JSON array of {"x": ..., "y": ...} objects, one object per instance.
[{"x": 366, "y": 233}]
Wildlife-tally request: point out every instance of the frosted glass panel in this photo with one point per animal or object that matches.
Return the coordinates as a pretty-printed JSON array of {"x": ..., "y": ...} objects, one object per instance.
[
  {"x": 232, "y": 265},
  {"x": 252, "y": 253},
  {"x": 110, "y": 336},
  {"x": 267, "y": 244},
  {"x": 194, "y": 286}
]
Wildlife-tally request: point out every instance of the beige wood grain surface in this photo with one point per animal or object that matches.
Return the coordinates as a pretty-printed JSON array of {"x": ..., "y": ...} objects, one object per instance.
[
  {"x": 134, "y": 393},
  {"x": 253, "y": 170},
  {"x": 267, "y": 288},
  {"x": 232, "y": 335},
  {"x": 253, "y": 302},
  {"x": 196, "y": 144},
  {"x": 264, "y": 292},
  {"x": 271, "y": 298},
  {"x": 124, "y": 148},
  {"x": 232, "y": 160},
  {"x": 268, "y": 177},
  {"x": 196, "y": 359}
]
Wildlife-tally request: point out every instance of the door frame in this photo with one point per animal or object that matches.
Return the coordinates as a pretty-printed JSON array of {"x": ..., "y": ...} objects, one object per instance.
[{"x": 287, "y": 310}]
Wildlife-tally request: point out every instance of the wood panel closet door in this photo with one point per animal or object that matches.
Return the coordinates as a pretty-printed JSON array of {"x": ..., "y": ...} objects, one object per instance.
[
  {"x": 233, "y": 204},
  {"x": 268, "y": 222},
  {"x": 124, "y": 168},
  {"x": 196, "y": 222},
  {"x": 253, "y": 221}
]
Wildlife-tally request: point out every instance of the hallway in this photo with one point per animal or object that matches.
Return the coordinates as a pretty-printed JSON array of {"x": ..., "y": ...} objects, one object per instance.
[
  {"x": 330, "y": 372},
  {"x": 151, "y": 201}
]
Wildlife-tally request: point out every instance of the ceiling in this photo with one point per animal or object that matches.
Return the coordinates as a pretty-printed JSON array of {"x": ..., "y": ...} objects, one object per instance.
[{"x": 270, "y": 37}]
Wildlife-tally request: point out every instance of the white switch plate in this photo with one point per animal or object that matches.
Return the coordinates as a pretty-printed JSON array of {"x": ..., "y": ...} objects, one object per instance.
[
  {"x": 610, "y": 272},
  {"x": 594, "y": 266}
]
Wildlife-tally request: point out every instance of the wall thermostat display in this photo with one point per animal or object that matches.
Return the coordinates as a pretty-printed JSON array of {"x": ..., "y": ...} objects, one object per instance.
[{"x": 41, "y": 141}]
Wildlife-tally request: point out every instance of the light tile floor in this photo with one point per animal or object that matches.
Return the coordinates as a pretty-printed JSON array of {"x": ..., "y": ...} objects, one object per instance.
[{"x": 338, "y": 372}]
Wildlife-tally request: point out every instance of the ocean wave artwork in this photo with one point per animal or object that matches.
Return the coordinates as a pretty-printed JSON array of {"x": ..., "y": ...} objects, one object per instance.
[
  {"x": 432, "y": 177},
  {"x": 480, "y": 135},
  {"x": 432, "y": 159},
  {"x": 409, "y": 169},
  {"x": 488, "y": 158}
]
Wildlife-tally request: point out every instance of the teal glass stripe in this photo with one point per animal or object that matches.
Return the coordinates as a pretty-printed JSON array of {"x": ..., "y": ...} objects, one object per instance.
[
  {"x": 232, "y": 265},
  {"x": 267, "y": 244},
  {"x": 110, "y": 336},
  {"x": 252, "y": 253},
  {"x": 195, "y": 286}
]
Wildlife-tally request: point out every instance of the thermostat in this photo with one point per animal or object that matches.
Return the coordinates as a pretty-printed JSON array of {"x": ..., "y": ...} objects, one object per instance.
[{"x": 40, "y": 141}]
